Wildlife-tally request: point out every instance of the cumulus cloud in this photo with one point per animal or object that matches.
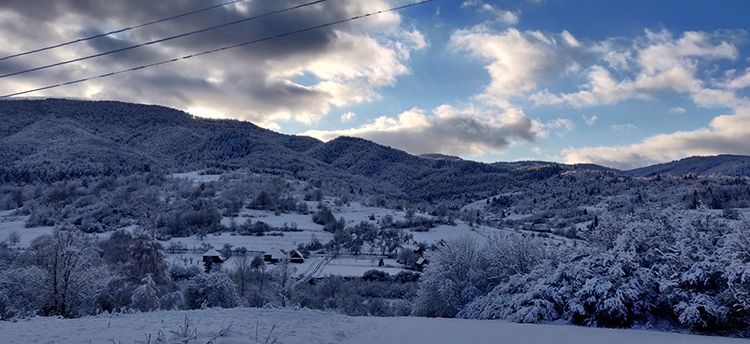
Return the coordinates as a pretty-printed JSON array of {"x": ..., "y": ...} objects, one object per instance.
[
  {"x": 468, "y": 131},
  {"x": 570, "y": 40},
  {"x": 725, "y": 134},
  {"x": 347, "y": 117},
  {"x": 516, "y": 60},
  {"x": 500, "y": 15},
  {"x": 561, "y": 123},
  {"x": 664, "y": 63},
  {"x": 742, "y": 81},
  {"x": 299, "y": 77}
]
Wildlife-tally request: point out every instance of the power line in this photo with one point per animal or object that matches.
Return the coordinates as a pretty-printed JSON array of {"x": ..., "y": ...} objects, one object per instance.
[
  {"x": 83, "y": 39},
  {"x": 131, "y": 47},
  {"x": 206, "y": 52}
]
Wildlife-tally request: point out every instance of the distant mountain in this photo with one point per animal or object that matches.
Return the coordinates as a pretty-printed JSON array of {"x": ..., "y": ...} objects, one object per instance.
[
  {"x": 438, "y": 156},
  {"x": 725, "y": 164},
  {"x": 53, "y": 139},
  {"x": 416, "y": 176}
]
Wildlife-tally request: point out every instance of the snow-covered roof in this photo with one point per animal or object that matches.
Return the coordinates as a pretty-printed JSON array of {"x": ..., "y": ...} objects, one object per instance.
[
  {"x": 276, "y": 253},
  {"x": 212, "y": 253}
]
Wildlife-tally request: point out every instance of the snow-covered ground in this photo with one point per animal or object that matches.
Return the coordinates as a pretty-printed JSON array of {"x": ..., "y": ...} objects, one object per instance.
[
  {"x": 303, "y": 221},
  {"x": 266, "y": 243},
  {"x": 357, "y": 266},
  {"x": 356, "y": 212},
  {"x": 243, "y": 325},
  {"x": 197, "y": 177},
  {"x": 10, "y": 223},
  {"x": 448, "y": 232}
]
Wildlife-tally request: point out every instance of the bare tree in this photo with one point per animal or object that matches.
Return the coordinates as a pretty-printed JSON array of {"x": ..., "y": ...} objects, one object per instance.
[
  {"x": 67, "y": 256},
  {"x": 241, "y": 273}
]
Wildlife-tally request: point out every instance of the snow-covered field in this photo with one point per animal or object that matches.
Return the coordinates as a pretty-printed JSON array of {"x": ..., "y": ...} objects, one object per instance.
[
  {"x": 303, "y": 221},
  {"x": 448, "y": 232},
  {"x": 266, "y": 243},
  {"x": 243, "y": 325},
  {"x": 197, "y": 177},
  {"x": 10, "y": 223},
  {"x": 357, "y": 266}
]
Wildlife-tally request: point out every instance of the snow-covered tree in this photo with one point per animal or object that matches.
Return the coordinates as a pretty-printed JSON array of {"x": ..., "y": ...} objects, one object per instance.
[
  {"x": 68, "y": 257},
  {"x": 23, "y": 291},
  {"x": 146, "y": 296},
  {"x": 737, "y": 272},
  {"x": 449, "y": 282},
  {"x": 147, "y": 257},
  {"x": 214, "y": 289}
]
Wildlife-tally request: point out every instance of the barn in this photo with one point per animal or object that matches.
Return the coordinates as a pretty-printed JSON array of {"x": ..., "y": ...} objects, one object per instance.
[
  {"x": 211, "y": 258},
  {"x": 277, "y": 256},
  {"x": 421, "y": 264},
  {"x": 296, "y": 257},
  {"x": 273, "y": 256}
]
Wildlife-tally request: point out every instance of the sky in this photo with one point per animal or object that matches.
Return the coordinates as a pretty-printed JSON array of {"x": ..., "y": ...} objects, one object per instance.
[{"x": 618, "y": 83}]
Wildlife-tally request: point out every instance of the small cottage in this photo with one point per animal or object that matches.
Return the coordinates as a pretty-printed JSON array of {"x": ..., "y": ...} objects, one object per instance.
[
  {"x": 296, "y": 257},
  {"x": 212, "y": 258},
  {"x": 421, "y": 264},
  {"x": 274, "y": 256},
  {"x": 277, "y": 256}
]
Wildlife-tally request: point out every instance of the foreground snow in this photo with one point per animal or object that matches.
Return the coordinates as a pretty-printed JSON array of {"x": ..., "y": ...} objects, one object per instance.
[{"x": 303, "y": 326}]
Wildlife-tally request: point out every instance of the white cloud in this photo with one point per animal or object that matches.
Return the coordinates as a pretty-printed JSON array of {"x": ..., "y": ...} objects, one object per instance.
[
  {"x": 500, "y": 15},
  {"x": 558, "y": 125},
  {"x": 663, "y": 52},
  {"x": 623, "y": 127},
  {"x": 468, "y": 131},
  {"x": 742, "y": 81},
  {"x": 347, "y": 117},
  {"x": 725, "y": 135},
  {"x": 617, "y": 58},
  {"x": 677, "y": 109},
  {"x": 561, "y": 123},
  {"x": 471, "y": 3},
  {"x": 516, "y": 60},
  {"x": 570, "y": 40},
  {"x": 591, "y": 120},
  {"x": 664, "y": 64}
]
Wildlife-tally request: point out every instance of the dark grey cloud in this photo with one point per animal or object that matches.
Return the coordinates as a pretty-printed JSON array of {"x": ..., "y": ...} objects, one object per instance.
[
  {"x": 447, "y": 130},
  {"x": 255, "y": 82}
]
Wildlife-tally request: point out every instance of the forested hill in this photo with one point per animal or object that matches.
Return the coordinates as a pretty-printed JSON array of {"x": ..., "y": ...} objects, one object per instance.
[
  {"x": 725, "y": 164},
  {"x": 53, "y": 139}
]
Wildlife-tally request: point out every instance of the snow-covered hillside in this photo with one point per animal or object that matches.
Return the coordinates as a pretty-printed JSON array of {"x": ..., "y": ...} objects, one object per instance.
[{"x": 244, "y": 325}]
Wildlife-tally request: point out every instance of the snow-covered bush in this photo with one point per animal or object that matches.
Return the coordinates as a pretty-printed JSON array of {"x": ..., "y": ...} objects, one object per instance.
[
  {"x": 617, "y": 292},
  {"x": 215, "y": 289},
  {"x": 461, "y": 270},
  {"x": 451, "y": 279},
  {"x": 145, "y": 297},
  {"x": 23, "y": 292},
  {"x": 687, "y": 269},
  {"x": 737, "y": 273},
  {"x": 523, "y": 298}
]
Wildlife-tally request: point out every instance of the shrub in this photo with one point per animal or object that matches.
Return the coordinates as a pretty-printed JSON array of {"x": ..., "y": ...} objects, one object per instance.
[{"x": 215, "y": 289}]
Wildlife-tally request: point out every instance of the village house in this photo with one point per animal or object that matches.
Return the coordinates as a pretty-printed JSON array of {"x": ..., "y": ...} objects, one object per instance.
[
  {"x": 212, "y": 258},
  {"x": 277, "y": 256}
]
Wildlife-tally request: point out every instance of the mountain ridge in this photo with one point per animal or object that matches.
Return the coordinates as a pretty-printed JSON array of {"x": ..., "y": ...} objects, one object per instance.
[{"x": 49, "y": 139}]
